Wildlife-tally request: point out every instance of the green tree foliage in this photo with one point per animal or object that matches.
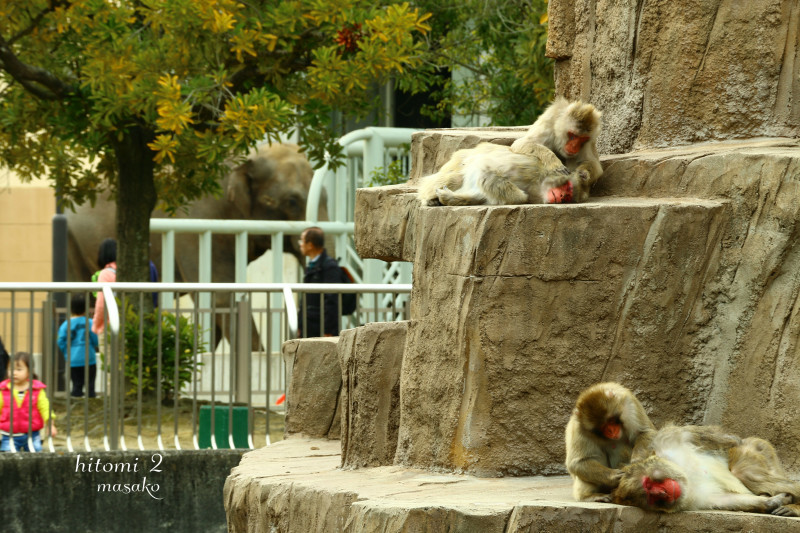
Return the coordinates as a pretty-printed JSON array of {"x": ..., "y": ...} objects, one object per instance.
[
  {"x": 148, "y": 98},
  {"x": 501, "y": 47}
]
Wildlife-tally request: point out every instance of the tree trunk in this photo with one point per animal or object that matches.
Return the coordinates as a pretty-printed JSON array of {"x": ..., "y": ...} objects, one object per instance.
[{"x": 136, "y": 199}]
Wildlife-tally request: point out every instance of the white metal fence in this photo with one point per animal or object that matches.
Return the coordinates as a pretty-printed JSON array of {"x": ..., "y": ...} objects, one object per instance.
[{"x": 227, "y": 390}]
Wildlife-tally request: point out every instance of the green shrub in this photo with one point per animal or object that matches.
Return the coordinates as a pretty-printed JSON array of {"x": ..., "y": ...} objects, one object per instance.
[{"x": 149, "y": 327}]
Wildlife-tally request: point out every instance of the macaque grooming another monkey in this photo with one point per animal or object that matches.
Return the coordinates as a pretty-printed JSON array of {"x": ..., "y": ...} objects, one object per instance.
[
  {"x": 570, "y": 130},
  {"x": 555, "y": 162},
  {"x": 605, "y": 425},
  {"x": 690, "y": 468}
]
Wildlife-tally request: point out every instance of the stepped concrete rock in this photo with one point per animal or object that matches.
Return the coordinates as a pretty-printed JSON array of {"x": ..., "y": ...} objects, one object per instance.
[
  {"x": 666, "y": 73},
  {"x": 314, "y": 384},
  {"x": 680, "y": 278},
  {"x": 295, "y": 486},
  {"x": 427, "y": 154},
  {"x": 509, "y": 300},
  {"x": 370, "y": 358}
]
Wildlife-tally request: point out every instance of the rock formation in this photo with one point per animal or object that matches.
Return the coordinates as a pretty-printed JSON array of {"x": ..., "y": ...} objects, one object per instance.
[
  {"x": 680, "y": 278},
  {"x": 670, "y": 73}
]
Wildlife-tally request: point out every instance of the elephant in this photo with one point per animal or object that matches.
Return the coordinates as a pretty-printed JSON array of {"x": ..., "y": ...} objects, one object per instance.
[{"x": 272, "y": 184}]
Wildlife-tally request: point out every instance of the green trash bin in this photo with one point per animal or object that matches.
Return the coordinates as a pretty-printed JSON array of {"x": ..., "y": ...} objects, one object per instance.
[{"x": 221, "y": 412}]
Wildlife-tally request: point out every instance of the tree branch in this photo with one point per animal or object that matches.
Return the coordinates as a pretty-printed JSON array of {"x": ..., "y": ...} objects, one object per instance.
[
  {"x": 35, "y": 21},
  {"x": 39, "y": 82}
]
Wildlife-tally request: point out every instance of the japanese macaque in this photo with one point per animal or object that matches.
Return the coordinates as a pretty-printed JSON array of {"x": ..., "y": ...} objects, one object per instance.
[
  {"x": 755, "y": 463},
  {"x": 691, "y": 468},
  {"x": 570, "y": 130},
  {"x": 555, "y": 162},
  {"x": 608, "y": 420}
]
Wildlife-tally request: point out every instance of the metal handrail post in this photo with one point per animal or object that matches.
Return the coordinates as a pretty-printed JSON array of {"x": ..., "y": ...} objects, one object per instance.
[{"x": 243, "y": 351}]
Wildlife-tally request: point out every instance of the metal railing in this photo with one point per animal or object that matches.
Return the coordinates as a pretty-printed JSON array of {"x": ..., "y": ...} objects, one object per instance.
[
  {"x": 366, "y": 151},
  {"x": 220, "y": 395}
]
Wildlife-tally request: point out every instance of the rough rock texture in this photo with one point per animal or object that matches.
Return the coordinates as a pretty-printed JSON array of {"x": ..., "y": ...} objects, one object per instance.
[
  {"x": 315, "y": 381},
  {"x": 517, "y": 309},
  {"x": 669, "y": 72},
  {"x": 742, "y": 339},
  {"x": 295, "y": 486},
  {"x": 370, "y": 358},
  {"x": 427, "y": 154},
  {"x": 680, "y": 278}
]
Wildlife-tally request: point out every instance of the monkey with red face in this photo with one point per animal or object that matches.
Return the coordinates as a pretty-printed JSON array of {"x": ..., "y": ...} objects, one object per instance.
[
  {"x": 690, "y": 468},
  {"x": 555, "y": 162},
  {"x": 606, "y": 424},
  {"x": 568, "y": 129}
]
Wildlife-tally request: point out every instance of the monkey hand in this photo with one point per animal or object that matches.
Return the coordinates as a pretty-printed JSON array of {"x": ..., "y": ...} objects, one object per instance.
[
  {"x": 787, "y": 510},
  {"x": 615, "y": 477},
  {"x": 777, "y": 501}
]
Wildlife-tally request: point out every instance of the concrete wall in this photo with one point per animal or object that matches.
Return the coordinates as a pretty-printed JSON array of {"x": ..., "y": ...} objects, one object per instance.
[
  {"x": 26, "y": 214},
  {"x": 72, "y": 492}
]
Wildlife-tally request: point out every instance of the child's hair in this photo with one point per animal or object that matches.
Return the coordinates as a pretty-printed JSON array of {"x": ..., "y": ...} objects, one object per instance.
[
  {"x": 26, "y": 358},
  {"x": 107, "y": 252},
  {"x": 78, "y": 304}
]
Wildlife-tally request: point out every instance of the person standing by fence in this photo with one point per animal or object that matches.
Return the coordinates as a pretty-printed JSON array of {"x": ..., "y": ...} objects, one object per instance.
[
  {"x": 83, "y": 342},
  {"x": 107, "y": 259},
  {"x": 321, "y": 269},
  {"x": 3, "y": 361}
]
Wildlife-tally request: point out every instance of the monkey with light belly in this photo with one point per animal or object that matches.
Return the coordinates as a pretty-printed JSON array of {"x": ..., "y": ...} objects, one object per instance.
[
  {"x": 606, "y": 424},
  {"x": 690, "y": 468},
  {"x": 554, "y": 162}
]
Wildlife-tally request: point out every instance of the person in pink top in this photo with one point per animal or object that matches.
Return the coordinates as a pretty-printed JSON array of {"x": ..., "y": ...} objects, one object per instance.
[{"x": 107, "y": 259}]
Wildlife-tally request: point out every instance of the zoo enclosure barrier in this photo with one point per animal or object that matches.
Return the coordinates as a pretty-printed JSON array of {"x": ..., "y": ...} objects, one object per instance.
[
  {"x": 366, "y": 151},
  {"x": 219, "y": 395}
]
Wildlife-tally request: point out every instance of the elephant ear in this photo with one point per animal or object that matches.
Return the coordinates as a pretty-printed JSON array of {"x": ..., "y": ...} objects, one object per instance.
[{"x": 238, "y": 192}]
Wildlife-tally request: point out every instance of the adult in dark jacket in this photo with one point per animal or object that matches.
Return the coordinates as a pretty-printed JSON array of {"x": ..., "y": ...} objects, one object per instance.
[{"x": 320, "y": 269}]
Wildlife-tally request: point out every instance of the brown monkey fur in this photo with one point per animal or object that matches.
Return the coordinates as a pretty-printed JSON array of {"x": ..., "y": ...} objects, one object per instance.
[
  {"x": 593, "y": 459},
  {"x": 755, "y": 463},
  {"x": 711, "y": 469}
]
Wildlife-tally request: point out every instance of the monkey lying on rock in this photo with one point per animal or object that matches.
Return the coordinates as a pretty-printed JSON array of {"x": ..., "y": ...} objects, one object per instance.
[
  {"x": 554, "y": 162},
  {"x": 689, "y": 468}
]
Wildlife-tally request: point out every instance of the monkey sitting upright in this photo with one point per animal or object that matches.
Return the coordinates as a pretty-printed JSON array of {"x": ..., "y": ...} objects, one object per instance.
[
  {"x": 606, "y": 424},
  {"x": 531, "y": 170},
  {"x": 570, "y": 130}
]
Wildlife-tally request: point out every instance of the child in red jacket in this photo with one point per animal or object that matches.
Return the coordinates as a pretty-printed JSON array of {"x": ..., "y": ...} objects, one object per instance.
[{"x": 24, "y": 417}]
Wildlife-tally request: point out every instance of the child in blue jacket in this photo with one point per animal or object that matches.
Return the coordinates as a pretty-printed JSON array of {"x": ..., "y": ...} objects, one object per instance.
[{"x": 80, "y": 346}]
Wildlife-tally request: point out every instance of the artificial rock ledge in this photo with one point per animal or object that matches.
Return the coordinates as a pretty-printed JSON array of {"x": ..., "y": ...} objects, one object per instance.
[
  {"x": 679, "y": 278},
  {"x": 295, "y": 486},
  {"x": 314, "y": 386}
]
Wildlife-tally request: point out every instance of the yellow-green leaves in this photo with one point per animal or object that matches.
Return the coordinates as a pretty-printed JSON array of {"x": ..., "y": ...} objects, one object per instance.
[
  {"x": 164, "y": 146},
  {"x": 203, "y": 78}
]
